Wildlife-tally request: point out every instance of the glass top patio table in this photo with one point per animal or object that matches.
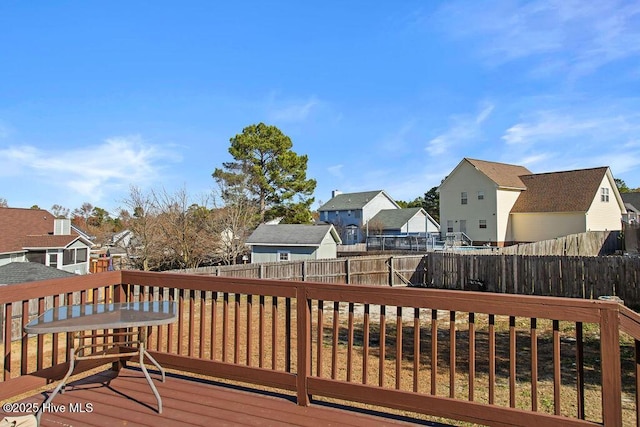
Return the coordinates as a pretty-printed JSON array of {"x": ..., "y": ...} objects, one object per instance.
[{"x": 71, "y": 318}]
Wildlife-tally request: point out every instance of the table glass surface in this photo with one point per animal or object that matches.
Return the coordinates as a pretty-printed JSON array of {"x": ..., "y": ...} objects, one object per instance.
[{"x": 71, "y": 318}]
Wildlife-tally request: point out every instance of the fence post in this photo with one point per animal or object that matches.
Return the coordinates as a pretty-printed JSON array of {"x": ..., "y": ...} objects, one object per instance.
[
  {"x": 303, "y": 338},
  {"x": 611, "y": 372},
  {"x": 304, "y": 270},
  {"x": 348, "y": 271},
  {"x": 391, "y": 271}
]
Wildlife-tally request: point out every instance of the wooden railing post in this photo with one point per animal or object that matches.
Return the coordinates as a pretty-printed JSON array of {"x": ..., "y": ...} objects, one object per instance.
[
  {"x": 120, "y": 294},
  {"x": 303, "y": 336},
  {"x": 611, "y": 371}
]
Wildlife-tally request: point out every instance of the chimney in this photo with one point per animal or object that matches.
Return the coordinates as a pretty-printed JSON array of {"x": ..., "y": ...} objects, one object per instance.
[
  {"x": 61, "y": 227},
  {"x": 334, "y": 193}
]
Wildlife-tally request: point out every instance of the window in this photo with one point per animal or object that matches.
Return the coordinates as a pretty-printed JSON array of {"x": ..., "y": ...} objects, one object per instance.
[
  {"x": 480, "y": 195},
  {"x": 463, "y": 198},
  {"x": 326, "y": 215},
  {"x": 284, "y": 256},
  {"x": 449, "y": 226},
  {"x": 81, "y": 255},
  {"x": 483, "y": 223},
  {"x": 604, "y": 194},
  {"x": 53, "y": 260},
  {"x": 69, "y": 257}
]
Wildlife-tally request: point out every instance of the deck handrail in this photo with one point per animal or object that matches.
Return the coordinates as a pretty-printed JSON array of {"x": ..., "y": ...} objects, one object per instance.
[{"x": 225, "y": 324}]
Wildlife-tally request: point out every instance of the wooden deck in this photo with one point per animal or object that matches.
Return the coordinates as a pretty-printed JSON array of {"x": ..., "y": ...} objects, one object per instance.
[{"x": 127, "y": 400}]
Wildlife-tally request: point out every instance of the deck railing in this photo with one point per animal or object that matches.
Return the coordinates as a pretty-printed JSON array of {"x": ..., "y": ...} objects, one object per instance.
[{"x": 485, "y": 358}]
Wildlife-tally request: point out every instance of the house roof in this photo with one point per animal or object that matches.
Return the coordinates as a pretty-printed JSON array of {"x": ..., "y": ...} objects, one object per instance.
[
  {"x": 29, "y": 228},
  {"x": 393, "y": 219},
  {"x": 503, "y": 174},
  {"x": 291, "y": 235},
  {"x": 567, "y": 191},
  {"x": 20, "y": 272},
  {"x": 351, "y": 201},
  {"x": 632, "y": 199}
]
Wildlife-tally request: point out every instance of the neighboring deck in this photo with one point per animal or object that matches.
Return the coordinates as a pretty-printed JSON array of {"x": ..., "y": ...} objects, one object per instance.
[{"x": 128, "y": 400}]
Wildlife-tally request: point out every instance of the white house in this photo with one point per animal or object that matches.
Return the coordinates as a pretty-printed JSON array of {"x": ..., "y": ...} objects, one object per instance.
[{"x": 501, "y": 204}]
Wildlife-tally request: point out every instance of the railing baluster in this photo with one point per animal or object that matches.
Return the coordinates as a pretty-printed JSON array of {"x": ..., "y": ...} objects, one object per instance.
[
  {"x": 452, "y": 354},
  {"x": 365, "y": 345},
  {"x": 8, "y": 317},
  {"x": 512, "y": 361},
  {"x": 274, "y": 333},
  {"x": 434, "y": 351},
  {"x": 192, "y": 319},
  {"x": 416, "y": 348},
  {"x": 534, "y": 365},
  {"x": 472, "y": 356},
  {"x": 180, "y": 320},
  {"x": 350, "y": 342},
  {"x": 236, "y": 329},
  {"x": 557, "y": 373},
  {"x": 214, "y": 324},
  {"x": 319, "y": 338},
  {"x": 580, "y": 370},
  {"x": 335, "y": 337},
  {"x": 492, "y": 359},
  {"x": 261, "y": 333},
  {"x": 287, "y": 331},
  {"x": 24, "y": 357},
  {"x": 398, "y": 347},
  {"x": 55, "y": 338},
  {"x": 160, "y": 329},
  {"x": 40, "y": 339},
  {"x": 225, "y": 325},
  {"x": 203, "y": 323},
  {"x": 249, "y": 329},
  {"x": 383, "y": 344},
  {"x": 172, "y": 296}
]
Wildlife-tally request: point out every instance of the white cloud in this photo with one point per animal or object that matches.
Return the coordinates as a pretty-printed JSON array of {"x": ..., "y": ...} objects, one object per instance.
[
  {"x": 336, "y": 170},
  {"x": 292, "y": 111},
  {"x": 116, "y": 163},
  {"x": 571, "y": 35},
  {"x": 464, "y": 129}
]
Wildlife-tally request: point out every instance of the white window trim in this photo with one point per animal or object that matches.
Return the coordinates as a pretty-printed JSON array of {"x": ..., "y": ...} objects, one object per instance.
[{"x": 288, "y": 253}]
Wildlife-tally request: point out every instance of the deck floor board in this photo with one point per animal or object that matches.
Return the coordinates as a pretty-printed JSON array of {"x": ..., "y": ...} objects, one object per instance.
[{"x": 127, "y": 400}]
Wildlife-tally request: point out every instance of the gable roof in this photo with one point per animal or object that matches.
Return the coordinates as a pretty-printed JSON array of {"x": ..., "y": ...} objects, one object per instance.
[
  {"x": 352, "y": 201},
  {"x": 567, "y": 191},
  {"x": 392, "y": 219},
  {"x": 20, "y": 272},
  {"x": 30, "y": 228},
  {"x": 291, "y": 235},
  {"x": 503, "y": 174}
]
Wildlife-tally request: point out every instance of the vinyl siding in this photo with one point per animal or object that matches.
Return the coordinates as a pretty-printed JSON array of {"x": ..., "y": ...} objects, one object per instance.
[
  {"x": 532, "y": 227},
  {"x": 603, "y": 216}
]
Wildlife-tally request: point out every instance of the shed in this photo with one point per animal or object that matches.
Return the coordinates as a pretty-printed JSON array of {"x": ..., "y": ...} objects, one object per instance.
[{"x": 293, "y": 242}]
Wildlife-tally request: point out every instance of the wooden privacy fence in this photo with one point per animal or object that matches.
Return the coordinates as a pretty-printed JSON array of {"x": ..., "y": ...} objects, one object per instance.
[
  {"x": 491, "y": 359},
  {"x": 562, "y": 276},
  {"x": 369, "y": 270}
]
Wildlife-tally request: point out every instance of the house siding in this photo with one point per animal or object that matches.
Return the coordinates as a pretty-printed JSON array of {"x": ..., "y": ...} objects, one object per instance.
[
  {"x": 467, "y": 179},
  {"x": 260, "y": 254},
  {"x": 14, "y": 257},
  {"x": 327, "y": 249},
  {"x": 535, "y": 226},
  {"x": 504, "y": 224},
  {"x": 604, "y": 216}
]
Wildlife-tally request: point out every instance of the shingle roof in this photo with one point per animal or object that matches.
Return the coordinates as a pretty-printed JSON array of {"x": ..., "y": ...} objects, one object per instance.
[
  {"x": 291, "y": 234},
  {"x": 393, "y": 219},
  {"x": 20, "y": 272},
  {"x": 20, "y": 228},
  {"x": 632, "y": 199},
  {"x": 568, "y": 191},
  {"x": 349, "y": 201},
  {"x": 503, "y": 174}
]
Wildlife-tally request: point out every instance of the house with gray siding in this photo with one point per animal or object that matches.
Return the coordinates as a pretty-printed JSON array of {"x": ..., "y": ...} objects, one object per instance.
[
  {"x": 349, "y": 212},
  {"x": 399, "y": 222},
  {"x": 293, "y": 242}
]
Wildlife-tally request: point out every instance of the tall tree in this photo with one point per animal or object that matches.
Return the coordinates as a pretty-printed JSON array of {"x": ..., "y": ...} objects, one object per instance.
[
  {"x": 622, "y": 186},
  {"x": 273, "y": 174},
  {"x": 431, "y": 203}
]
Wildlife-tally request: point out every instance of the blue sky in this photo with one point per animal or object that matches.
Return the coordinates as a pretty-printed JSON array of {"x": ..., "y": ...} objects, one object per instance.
[{"x": 97, "y": 96}]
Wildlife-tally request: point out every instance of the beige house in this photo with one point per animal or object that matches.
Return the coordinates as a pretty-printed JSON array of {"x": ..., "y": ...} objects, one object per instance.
[{"x": 502, "y": 204}]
